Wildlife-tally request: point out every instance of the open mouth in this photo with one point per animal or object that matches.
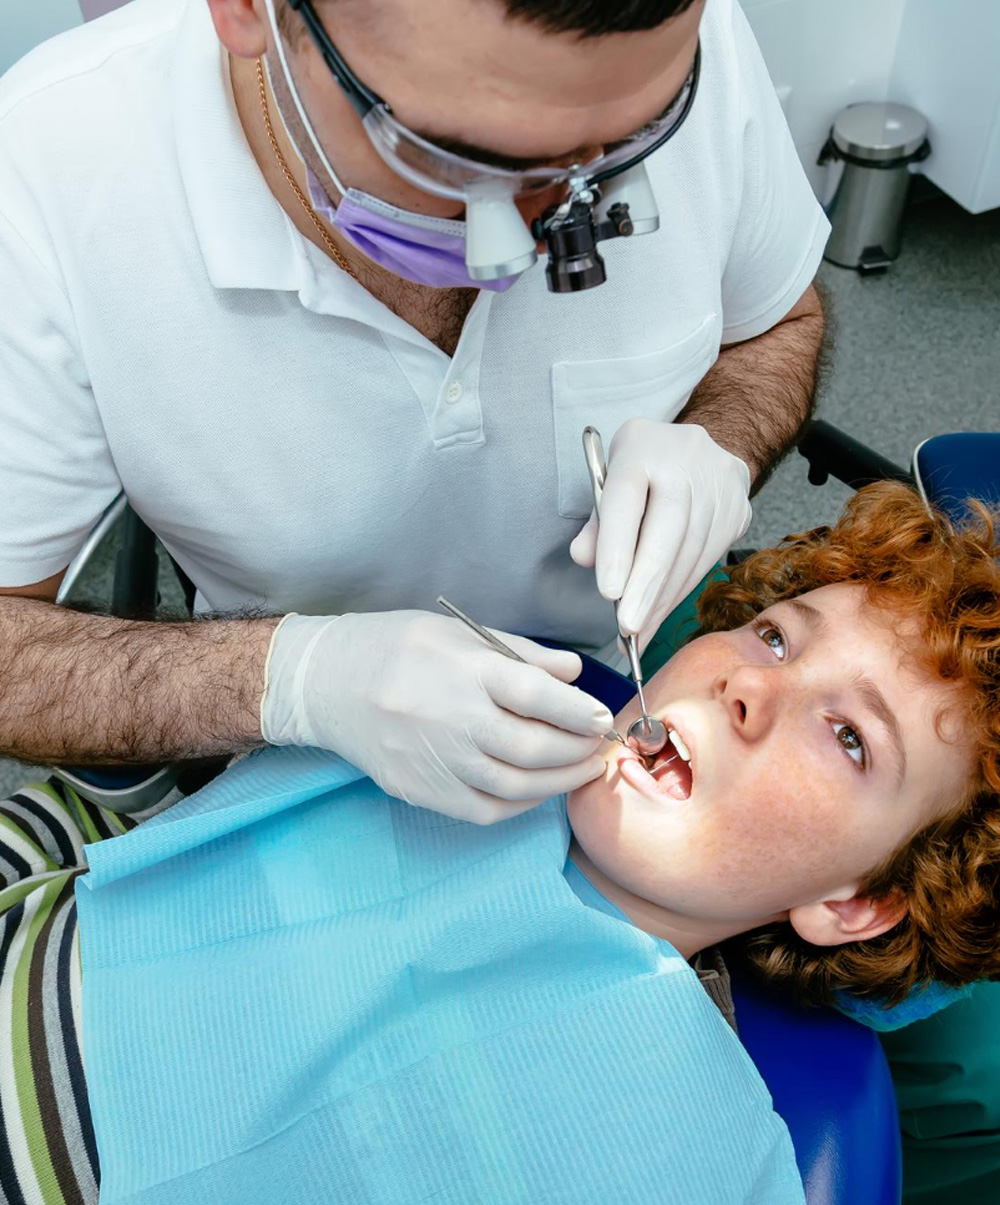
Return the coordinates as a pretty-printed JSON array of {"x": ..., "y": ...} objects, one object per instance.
[{"x": 669, "y": 774}]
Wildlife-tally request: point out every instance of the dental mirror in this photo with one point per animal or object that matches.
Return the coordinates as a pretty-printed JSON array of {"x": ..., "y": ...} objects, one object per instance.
[{"x": 647, "y": 735}]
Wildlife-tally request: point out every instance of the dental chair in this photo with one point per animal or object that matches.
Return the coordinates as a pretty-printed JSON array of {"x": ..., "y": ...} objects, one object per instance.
[{"x": 827, "y": 1074}]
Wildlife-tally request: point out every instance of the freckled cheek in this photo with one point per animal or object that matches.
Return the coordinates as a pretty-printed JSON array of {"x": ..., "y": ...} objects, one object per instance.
[
  {"x": 777, "y": 831},
  {"x": 691, "y": 669}
]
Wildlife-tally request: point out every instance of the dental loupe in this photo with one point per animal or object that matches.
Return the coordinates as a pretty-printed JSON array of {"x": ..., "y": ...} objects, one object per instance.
[
  {"x": 572, "y": 230},
  {"x": 606, "y": 199}
]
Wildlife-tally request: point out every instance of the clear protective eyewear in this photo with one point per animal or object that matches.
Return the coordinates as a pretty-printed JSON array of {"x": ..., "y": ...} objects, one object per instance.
[
  {"x": 500, "y": 243},
  {"x": 433, "y": 169}
]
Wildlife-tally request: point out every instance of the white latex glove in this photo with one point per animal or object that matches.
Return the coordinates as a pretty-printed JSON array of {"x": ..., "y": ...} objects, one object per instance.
[
  {"x": 674, "y": 503},
  {"x": 433, "y": 714}
]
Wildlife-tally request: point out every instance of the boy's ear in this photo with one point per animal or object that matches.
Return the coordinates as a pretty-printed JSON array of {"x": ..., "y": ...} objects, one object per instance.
[{"x": 846, "y": 916}]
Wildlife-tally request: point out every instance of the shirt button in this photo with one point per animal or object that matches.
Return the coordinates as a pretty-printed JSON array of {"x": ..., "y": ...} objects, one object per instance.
[{"x": 454, "y": 392}]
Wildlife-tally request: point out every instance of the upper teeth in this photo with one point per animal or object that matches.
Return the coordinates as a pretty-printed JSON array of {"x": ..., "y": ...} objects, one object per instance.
[{"x": 678, "y": 744}]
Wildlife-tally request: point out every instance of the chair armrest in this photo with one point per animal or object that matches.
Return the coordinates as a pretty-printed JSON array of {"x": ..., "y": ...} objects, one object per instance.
[{"x": 832, "y": 453}]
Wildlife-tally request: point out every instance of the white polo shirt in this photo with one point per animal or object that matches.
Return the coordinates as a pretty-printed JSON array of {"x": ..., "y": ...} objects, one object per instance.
[{"x": 165, "y": 329}]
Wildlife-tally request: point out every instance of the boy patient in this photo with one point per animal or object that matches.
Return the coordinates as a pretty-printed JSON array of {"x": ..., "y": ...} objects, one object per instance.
[
  {"x": 831, "y": 797},
  {"x": 835, "y": 796}
]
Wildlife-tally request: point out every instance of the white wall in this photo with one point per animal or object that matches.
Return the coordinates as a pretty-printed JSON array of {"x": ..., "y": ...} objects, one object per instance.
[
  {"x": 823, "y": 55},
  {"x": 25, "y": 23},
  {"x": 97, "y": 8},
  {"x": 946, "y": 66}
]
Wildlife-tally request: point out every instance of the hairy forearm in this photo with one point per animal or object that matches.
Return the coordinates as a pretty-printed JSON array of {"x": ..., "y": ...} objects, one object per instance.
[
  {"x": 79, "y": 688},
  {"x": 758, "y": 395}
]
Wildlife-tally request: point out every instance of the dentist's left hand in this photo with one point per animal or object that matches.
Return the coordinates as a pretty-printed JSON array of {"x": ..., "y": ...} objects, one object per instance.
[{"x": 674, "y": 503}]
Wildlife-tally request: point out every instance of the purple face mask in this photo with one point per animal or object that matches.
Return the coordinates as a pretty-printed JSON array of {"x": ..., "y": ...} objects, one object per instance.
[{"x": 426, "y": 250}]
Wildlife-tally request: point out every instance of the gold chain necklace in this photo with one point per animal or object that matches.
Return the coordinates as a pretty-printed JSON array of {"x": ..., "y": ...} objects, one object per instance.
[{"x": 335, "y": 252}]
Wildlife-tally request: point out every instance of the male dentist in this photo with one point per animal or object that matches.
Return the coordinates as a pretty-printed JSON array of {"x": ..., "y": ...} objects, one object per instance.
[{"x": 270, "y": 267}]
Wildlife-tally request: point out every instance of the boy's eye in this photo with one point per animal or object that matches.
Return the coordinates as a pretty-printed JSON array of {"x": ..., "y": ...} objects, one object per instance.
[
  {"x": 773, "y": 637},
  {"x": 846, "y": 735},
  {"x": 850, "y": 740}
]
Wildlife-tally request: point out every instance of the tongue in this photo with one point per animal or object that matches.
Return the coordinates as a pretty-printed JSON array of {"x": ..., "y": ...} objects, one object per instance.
[{"x": 670, "y": 768}]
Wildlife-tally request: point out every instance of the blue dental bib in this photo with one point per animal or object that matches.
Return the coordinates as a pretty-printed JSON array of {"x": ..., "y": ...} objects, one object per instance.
[{"x": 297, "y": 989}]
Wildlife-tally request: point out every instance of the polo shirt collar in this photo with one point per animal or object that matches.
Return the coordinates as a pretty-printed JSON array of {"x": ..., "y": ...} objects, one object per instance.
[{"x": 245, "y": 237}]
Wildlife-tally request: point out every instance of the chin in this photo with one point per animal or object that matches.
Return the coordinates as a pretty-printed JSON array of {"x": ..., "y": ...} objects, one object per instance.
[
  {"x": 599, "y": 792},
  {"x": 595, "y": 813}
]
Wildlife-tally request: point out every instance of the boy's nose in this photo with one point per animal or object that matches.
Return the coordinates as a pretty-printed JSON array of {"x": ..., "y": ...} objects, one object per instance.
[{"x": 749, "y": 695}]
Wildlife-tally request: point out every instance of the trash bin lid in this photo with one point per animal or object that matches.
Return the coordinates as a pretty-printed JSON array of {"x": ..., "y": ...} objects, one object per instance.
[{"x": 879, "y": 132}]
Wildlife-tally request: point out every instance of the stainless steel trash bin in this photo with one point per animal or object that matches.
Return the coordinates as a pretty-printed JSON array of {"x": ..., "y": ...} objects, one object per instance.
[{"x": 875, "y": 143}]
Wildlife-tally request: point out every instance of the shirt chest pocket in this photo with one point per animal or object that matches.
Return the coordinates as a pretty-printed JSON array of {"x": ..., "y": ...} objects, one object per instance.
[{"x": 606, "y": 393}]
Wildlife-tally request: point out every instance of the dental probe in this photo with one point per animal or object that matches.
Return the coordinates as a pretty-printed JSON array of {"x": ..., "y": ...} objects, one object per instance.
[
  {"x": 610, "y": 735},
  {"x": 648, "y": 734}
]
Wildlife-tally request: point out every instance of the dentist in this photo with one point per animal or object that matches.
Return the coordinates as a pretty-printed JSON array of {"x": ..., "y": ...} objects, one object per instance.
[{"x": 270, "y": 267}]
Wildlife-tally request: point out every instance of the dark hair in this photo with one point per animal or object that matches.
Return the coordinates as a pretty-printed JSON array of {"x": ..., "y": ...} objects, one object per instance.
[
  {"x": 594, "y": 18},
  {"x": 588, "y": 18}
]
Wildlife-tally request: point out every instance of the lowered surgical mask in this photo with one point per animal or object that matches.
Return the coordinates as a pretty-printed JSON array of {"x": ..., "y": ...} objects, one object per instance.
[
  {"x": 427, "y": 250},
  {"x": 607, "y": 196}
]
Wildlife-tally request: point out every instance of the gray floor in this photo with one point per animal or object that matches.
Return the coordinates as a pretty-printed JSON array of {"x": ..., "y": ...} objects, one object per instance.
[{"x": 916, "y": 353}]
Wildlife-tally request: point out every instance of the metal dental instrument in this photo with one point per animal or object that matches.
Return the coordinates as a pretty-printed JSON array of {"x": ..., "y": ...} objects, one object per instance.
[
  {"x": 647, "y": 735},
  {"x": 610, "y": 735}
]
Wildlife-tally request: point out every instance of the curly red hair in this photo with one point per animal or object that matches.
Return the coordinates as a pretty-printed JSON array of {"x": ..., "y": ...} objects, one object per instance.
[{"x": 912, "y": 563}]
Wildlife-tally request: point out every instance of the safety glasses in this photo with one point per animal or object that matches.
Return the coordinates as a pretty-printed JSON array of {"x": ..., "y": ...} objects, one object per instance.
[{"x": 440, "y": 172}]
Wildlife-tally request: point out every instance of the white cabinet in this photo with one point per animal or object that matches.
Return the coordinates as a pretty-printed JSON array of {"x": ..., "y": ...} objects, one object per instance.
[
  {"x": 947, "y": 65},
  {"x": 823, "y": 55}
]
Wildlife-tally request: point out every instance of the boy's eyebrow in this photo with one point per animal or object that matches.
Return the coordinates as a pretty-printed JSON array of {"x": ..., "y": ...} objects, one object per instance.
[
  {"x": 871, "y": 696},
  {"x": 810, "y": 615},
  {"x": 875, "y": 701}
]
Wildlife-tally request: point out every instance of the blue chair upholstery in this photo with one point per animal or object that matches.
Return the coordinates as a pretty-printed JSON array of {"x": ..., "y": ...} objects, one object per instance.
[
  {"x": 827, "y": 1074},
  {"x": 952, "y": 468},
  {"x": 830, "y": 1082}
]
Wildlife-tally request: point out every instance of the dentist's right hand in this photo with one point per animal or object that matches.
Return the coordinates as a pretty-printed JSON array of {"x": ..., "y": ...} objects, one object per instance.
[{"x": 432, "y": 713}]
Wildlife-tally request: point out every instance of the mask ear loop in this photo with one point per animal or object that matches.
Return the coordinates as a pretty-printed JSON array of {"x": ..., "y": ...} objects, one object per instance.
[{"x": 300, "y": 108}]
